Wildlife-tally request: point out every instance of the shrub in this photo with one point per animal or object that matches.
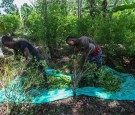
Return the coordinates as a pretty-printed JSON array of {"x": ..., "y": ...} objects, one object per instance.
[{"x": 9, "y": 24}]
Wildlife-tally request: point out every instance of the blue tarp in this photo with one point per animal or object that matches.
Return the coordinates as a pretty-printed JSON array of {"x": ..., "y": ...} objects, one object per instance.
[{"x": 14, "y": 94}]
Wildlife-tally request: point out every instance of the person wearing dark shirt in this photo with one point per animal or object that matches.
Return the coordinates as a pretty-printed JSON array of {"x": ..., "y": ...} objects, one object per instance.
[
  {"x": 91, "y": 51},
  {"x": 24, "y": 48}
]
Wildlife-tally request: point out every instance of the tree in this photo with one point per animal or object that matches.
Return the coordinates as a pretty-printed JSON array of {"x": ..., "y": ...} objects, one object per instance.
[
  {"x": 79, "y": 8},
  {"x": 9, "y": 23},
  {"x": 9, "y": 7},
  {"x": 115, "y": 3},
  {"x": 104, "y": 7},
  {"x": 92, "y": 4},
  {"x": 25, "y": 11},
  {"x": 47, "y": 52},
  {"x": 45, "y": 17}
]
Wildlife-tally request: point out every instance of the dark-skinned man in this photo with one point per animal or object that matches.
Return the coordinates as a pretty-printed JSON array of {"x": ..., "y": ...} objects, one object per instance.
[{"x": 25, "y": 49}]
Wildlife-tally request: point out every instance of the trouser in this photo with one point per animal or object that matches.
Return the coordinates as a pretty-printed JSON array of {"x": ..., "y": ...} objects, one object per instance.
[{"x": 96, "y": 59}]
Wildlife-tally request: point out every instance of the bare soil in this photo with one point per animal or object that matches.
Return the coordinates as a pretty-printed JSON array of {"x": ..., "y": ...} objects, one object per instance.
[{"x": 83, "y": 105}]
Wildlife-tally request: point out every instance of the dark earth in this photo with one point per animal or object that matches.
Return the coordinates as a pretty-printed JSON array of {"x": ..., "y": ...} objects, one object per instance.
[{"x": 83, "y": 105}]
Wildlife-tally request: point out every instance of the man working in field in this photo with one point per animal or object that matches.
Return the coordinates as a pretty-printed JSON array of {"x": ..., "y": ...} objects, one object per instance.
[
  {"x": 25, "y": 49},
  {"x": 91, "y": 52}
]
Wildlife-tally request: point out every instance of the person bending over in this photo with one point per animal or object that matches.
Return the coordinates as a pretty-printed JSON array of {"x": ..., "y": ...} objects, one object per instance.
[
  {"x": 91, "y": 51},
  {"x": 25, "y": 49}
]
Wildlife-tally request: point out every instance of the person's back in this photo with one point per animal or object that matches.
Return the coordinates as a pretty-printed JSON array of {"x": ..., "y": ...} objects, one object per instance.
[
  {"x": 26, "y": 49},
  {"x": 22, "y": 44},
  {"x": 85, "y": 44},
  {"x": 90, "y": 50}
]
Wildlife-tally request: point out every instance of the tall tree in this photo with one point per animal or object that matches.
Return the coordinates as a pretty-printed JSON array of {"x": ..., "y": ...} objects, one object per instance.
[
  {"x": 9, "y": 7},
  {"x": 92, "y": 4},
  {"x": 25, "y": 11},
  {"x": 79, "y": 8},
  {"x": 47, "y": 52},
  {"x": 45, "y": 18},
  {"x": 64, "y": 7},
  {"x": 104, "y": 7},
  {"x": 115, "y": 3}
]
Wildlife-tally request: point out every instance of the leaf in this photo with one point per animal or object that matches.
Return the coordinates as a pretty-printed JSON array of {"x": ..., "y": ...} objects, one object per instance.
[{"x": 124, "y": 7}]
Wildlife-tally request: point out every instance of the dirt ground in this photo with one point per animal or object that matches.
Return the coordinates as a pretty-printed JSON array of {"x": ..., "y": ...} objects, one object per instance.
[{"x": 83, "y": 105}]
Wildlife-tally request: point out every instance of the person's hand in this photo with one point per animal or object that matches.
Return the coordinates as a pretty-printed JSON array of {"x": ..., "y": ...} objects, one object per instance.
[
  {"x": 29, "y": 64},
  {"x": 67, "y": 71},
  {"x": 24, "y": 73}
]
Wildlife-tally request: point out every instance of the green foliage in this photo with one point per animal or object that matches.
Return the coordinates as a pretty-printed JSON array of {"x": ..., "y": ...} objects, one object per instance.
[
  {"x": 9, "y": 24},
  {"x": 53, "y": 82},
  {"x": 60, "y": 25},
  {"x": 35, "y": 25},
  {"x": 9, "y": 7},
  {"x": 67, "y": 26},
  {"x": 122, "y": 30},
  {"x": 124, "y": 7},
  {"x": 101, "y": 78},
  {"x": 110, "y": 82},
  {"x": 9, "y": 68},
  {"x": 59, "y": 82},
  {"x": 26, "y": 11},
  {"x": 113, "y": 30},
  {"x": 33, "y": 78}
]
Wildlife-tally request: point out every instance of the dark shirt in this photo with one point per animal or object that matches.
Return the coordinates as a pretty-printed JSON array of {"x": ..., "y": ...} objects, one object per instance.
[
  {"x": 21, "y": 45},
  {"x": 84, "y": 44}
]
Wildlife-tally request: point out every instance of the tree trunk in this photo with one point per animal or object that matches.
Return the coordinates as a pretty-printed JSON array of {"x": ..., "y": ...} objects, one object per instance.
[
  {"x": 45, "y": 18},
  {"x": 92, "y": 5},
  {"x": 115, "y": 3},
  {"x": 20, "y": 14},
  {"x": 47, "y": 52},
  {"x": 74, "y": 78},
  {"x": 79, "y": 8},
  {"x": 104, "y": 7}
]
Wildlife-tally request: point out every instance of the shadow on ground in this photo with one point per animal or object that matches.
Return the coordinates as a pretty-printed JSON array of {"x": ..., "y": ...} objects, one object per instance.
[{"x": 82, "y": 106}]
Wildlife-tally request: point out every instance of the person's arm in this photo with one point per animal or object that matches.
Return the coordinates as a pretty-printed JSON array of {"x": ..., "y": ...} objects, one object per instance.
[
  {"x": 26, "y": 53},
  {"x": 86, "y": 54},
  {"x": 83, "y": 60},
  {"x": 16, "y": 56},
  {"x": 15, "y": 52},
  {"x": 84, "y": 46},
  {"x": 72, "y": 51},
  {"x": 29, "y": 64},
  {"x": 76, "y": 50}
]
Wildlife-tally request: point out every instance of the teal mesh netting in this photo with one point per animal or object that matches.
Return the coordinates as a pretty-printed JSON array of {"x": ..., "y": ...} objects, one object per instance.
[{"x": 13, "y": 92}]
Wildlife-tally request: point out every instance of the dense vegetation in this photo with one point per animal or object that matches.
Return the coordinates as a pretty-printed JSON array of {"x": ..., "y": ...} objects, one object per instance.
[{"x": 46, "y": 24}]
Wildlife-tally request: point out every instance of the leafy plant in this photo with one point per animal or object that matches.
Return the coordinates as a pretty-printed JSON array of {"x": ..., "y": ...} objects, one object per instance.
[
  {"x": 35, "y": 25},
  {"x": 110, "y": 82},
  {"x": 101, "y": 78},
  {"x": 59, "y": 82},
  {"x": 9, "y": 24}
]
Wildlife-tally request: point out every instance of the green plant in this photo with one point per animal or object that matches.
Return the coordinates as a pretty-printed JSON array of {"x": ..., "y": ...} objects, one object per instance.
[
  {"x": 110, "y": 82},
  {"x": 59, "y": 82},
  {"x": 101, "y": 78},
  {"x": 35, "y": 25},
  {"x": 9, "y": 24}
]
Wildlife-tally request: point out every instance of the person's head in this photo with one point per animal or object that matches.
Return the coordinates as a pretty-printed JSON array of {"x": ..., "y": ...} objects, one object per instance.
[
  {"x": 72, "y": 41},
  {"x": 7, "y": 41}
]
